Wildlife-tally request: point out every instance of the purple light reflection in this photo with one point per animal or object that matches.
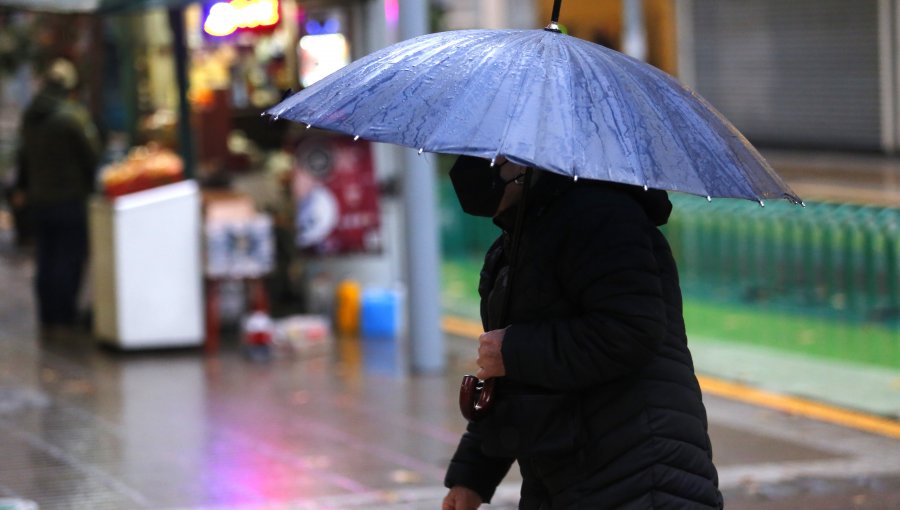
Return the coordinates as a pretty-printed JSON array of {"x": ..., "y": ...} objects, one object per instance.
[{"x": 391, "y": 12}]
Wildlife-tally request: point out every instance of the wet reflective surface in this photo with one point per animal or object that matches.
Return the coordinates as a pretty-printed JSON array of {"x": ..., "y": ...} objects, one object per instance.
[{"x": 84, "y": 427}]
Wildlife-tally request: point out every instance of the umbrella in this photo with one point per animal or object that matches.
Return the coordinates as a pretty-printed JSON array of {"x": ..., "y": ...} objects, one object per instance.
[{"x": 542, "y": 99}]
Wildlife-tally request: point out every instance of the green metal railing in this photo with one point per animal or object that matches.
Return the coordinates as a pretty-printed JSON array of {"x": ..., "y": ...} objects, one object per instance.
[
  {"x": 821, "y": 280},
  {"x": 833, "y": 259}
]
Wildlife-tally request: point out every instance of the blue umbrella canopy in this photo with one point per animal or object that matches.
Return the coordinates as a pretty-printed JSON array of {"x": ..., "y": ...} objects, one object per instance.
[{"x": 543, "y": 99}]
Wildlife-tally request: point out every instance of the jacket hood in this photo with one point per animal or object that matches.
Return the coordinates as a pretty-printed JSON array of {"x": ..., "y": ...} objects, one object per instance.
[
  {"x": 47, "y": 102},
  {"x": 550, "y": 186},
  {"x": 655, "y": 203}
]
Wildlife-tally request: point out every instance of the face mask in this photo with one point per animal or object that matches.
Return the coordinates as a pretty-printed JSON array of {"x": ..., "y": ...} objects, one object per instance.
[{"x": 478, "y": 186}]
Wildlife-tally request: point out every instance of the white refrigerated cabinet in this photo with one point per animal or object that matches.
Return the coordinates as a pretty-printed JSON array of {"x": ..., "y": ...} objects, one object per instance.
[{"x": 146, "y": 268}]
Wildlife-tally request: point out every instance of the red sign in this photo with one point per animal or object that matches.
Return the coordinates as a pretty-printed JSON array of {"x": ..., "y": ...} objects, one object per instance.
[{"x": 336, "y": 197}]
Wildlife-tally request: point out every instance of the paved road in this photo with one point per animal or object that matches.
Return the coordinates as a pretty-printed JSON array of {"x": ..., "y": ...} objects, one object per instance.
[{"x": 83, "y": 427}]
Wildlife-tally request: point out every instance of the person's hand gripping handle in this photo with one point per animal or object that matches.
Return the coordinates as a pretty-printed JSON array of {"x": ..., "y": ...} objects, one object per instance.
[{"x": 476, "y": 391}]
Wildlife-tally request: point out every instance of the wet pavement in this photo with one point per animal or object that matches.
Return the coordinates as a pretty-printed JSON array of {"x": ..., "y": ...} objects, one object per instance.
[{"x": 83, "y": 427}]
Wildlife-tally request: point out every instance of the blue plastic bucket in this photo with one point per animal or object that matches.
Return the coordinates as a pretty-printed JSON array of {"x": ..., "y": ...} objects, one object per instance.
[{"x": 380, "y": 313}]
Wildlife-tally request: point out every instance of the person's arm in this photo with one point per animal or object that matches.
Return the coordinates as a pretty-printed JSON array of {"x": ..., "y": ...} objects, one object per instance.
[
  {"x": 474, "y": 470},
  {"x": 86, "y": 142},
  {"x": 608, "y": 269}
]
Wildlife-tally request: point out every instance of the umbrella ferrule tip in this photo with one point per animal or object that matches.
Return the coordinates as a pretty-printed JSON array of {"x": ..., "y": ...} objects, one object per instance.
[{"x": 553, "y": 27}]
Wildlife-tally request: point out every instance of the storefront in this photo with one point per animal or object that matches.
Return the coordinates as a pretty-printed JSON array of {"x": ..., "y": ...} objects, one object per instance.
[
  {"x": 805, "y": 73},
  {"x": 242, "y": 57}
]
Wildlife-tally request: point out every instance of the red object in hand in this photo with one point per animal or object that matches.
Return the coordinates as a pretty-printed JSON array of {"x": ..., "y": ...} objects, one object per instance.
[{"x": 475, "y": 397}]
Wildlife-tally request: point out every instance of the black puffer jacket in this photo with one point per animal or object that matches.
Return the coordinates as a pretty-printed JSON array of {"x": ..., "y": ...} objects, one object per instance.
[{"x": 596, "y": 312}]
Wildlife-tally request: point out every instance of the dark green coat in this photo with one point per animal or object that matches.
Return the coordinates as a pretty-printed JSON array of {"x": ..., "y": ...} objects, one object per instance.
[
  {"x": 59, "y": 151},
  {"x": 596, "y": 313}
]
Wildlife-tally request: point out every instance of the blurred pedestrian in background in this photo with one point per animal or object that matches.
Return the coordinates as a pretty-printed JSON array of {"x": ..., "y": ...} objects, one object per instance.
[
  {"x": 595, "y": 394},
  {"x": 57, "y": 161}
]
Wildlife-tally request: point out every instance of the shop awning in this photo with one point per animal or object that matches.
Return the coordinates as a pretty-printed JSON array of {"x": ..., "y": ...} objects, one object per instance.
[{"x": 97, "y": 6}]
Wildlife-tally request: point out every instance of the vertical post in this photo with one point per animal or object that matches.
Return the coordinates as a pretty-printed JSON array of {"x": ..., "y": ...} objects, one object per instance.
[
  {"x": 887, "y": 46},
  {"x": 634, "y": 41},
  {"x": 426, "y": 340},
  {"x": 892, "y": 260},
  {"x": 829, "y": 266},
  {"x": 124, "y": 29},
  {"x": 185, "y": 138},
  {"x": 492, "y": 14}
]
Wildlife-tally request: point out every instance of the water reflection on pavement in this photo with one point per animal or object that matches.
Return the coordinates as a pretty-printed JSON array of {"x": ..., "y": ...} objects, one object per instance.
[
  {"x": 89, "y": 428},
  {"x": 100, "y": 429}
]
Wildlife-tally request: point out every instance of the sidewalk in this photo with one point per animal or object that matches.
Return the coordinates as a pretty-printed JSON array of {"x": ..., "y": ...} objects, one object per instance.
[
  {"x": 88, "y": 428},
  {"x": 867, "y": 179}
]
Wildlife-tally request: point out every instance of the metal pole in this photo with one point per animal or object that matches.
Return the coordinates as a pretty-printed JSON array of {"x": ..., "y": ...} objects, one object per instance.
[
  {"x": 635, "y": 40},
  {"x": 423, "y": 256},
  {"x": 185, "y": 135}
]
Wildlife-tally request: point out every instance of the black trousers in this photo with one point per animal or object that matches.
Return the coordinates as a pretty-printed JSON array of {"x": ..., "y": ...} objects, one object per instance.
[{"x": 62, "y": 248}]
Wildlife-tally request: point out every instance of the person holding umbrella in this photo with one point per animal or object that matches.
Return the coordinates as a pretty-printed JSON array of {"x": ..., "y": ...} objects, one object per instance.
[
  {"x": 585, "y": 377},
  {"x": 597, "y": 398}
]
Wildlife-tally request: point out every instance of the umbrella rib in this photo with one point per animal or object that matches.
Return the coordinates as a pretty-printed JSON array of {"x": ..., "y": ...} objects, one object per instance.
[
  {"x": 469, "y": 90},
  {"x": 572, "y": 127},
  {"x": 594, "y": 100},
  {"x": 415, "y": 82},
  {"x": 729, "y": 146},
  {"x": 323, "y": 87},
  {"x": 698, "y": 106},
  {"x": 615, "y": 95},
  {"x": 517, "y": 107},
  {"x": 754, "y": 154},
  {"x": 676, "y": 134}
]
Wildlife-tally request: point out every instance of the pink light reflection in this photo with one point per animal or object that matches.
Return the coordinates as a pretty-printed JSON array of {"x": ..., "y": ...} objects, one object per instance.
[{"x": 391, "y": 12}]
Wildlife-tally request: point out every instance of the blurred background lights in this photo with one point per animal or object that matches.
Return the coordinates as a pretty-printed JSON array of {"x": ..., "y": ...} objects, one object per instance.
[
  {"x": 322, "y": 55},
  {"x": 391, "y": 12},
  {"x": 226, "y": 17}
]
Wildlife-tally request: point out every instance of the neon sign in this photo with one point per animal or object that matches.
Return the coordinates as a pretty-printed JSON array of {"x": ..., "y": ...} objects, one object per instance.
[{"x": 226, "y": 17}]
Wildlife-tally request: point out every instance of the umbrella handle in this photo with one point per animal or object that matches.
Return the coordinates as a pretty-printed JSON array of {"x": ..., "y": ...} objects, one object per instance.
[{"x": 475, "y": 397}]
